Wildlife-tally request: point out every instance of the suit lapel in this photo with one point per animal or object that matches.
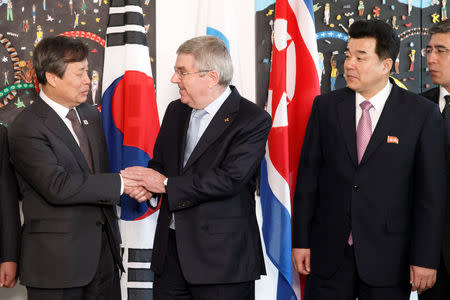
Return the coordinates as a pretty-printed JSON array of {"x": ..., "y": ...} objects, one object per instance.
[
  {"x": 346, "y": 114},
  {"x": 54, "y": 123},
  {"x": 432, "y": 95},
  {"x": 384, "y": 123},
  {"x": 221, "y": 121}
]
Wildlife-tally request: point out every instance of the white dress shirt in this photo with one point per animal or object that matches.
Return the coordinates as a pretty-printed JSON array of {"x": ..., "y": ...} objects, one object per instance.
[
  {"x": 378, "y": 101},
  {"x": 442, "y": 93}
]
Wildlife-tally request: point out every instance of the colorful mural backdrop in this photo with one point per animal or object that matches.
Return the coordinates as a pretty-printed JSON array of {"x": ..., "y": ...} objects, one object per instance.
[
  {"x": 23, "y": 23},
  {"x": 410, "y": 18}
]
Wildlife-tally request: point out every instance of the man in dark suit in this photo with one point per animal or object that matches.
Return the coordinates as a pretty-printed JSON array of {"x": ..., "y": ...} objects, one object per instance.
[
  {"x": 438, "y": 59},
  {"x": 370, "y": 196},
  {"x": 9, "y": 217},
  {"x": 70, "y": 243},
  {"x": 207, "y": 243}
]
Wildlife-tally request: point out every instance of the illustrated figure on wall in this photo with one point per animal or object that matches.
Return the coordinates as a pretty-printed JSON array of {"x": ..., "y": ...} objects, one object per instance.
[
  {"x": 39, "y": 35},
  {"x": 94, "y": 85},
  {"x": 434, "y": 2},
  {"x": 27, "y": 74},
  {"x": 394, "y": 22},
  {"x": 75, "y": 23},
  {"x": 412, "y": 57},
  {"x": 71, "y": 7},
  {"x": 397, "y": 64},
  {"x": 444, "y": 10},
  {"x": 326, "y": 14},
  {"x": 9, "y": 11},
  {"x": 360, "y": 8},
  {"x": 44, "y": 4},
  {"x": 409, "y": 7},
  {"x": 321, "y": 65},
  {"x": 334, "y": 71},
  {"x": 83, "y": 7},
  {"x": 6, "y": 77},
  {"x": 376, "y": 12},
  {"x": 34, "y": 13}
]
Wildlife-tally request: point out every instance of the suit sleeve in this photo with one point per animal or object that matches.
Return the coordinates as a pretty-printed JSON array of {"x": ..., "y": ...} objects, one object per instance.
[
  {"x": 306, "y": 190},
  {"x": 429, "y": 193},
  {"x": 45, "y": 169},
  {"x": 226, "y": 180},
  {"x": 9, "y": 205}
]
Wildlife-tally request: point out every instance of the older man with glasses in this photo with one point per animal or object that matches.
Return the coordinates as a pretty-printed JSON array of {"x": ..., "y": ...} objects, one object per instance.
[
  {"x": 438, "y": 59},
  {"x": 205, "y": 163}
]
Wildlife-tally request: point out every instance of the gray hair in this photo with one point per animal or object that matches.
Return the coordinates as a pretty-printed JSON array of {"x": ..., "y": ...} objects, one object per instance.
[
  {"x": 210, "y": 53},
  {"x": 442, "y": 27}
]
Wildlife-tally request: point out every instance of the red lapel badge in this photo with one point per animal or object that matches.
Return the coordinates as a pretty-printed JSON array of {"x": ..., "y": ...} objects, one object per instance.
[{"x": 392, "y": 139}]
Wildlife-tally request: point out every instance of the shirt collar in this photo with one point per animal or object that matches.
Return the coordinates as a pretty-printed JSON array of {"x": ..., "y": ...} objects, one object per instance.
[
  {"x": 442, "y": 92},
  {"x": 61, "y": 110},
  {"x": 214, "y": 106},
  {"x": 379, "y": 99}
]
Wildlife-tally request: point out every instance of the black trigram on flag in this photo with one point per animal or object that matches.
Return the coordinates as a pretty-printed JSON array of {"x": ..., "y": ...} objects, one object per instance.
[{"x": 139, "y": 276}]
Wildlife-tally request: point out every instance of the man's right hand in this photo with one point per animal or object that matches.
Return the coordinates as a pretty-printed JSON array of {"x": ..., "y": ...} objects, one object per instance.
[
  {"x": 301, "y": 258},
  {"x": 8, "y": 271}
]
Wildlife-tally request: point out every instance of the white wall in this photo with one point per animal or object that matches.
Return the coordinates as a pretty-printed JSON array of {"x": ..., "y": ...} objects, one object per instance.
[{"x": 180, "y": 20}]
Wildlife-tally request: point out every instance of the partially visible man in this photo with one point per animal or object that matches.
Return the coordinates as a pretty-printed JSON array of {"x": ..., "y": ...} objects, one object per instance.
[
  {"x": 9, "y": 217},
  {"x": 438, "y": 59},
  {"x": 370, "y": 196},
  {"x": 70, "y": 243},
  {"x": 206, "y": 158}
]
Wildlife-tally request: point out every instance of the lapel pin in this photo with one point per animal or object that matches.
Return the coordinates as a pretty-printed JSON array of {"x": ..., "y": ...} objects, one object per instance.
[
  {"x": 85, "y": 122},
  {"x": 227, "y": 120},
  {"x": 392, "y": 139}
]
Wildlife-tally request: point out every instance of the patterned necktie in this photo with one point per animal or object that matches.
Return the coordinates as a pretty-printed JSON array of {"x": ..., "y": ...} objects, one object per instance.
[
  {"x": 364, "y": 129},
  {"x": 192, "y": 133},
  {"x": 82, "y": 138},
  {"x": 446, "y": 117},
  {"x": 363, "y": 134}
]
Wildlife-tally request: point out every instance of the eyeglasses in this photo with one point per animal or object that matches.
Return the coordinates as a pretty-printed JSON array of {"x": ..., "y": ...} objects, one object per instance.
[
  {"x": 181, "y": 74},
  {"x": 440, "y": 51}
]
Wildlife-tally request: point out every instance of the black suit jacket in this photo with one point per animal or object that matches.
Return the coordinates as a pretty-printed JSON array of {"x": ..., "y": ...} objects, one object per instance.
[
  {"x": 9, "y": 205},
  {"x": 393, "y": 201},
  {"x": 62, "y": 200},
  {"x": 433, "y": 95},
  {"x": 213, "y": 196}
]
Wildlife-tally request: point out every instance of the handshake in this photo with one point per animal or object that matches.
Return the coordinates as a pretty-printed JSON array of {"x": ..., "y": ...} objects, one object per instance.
[{"x": 141, "y": 183}]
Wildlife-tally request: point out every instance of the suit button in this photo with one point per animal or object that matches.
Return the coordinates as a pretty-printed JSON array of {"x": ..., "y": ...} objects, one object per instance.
[{"x": 356, "y": 187}]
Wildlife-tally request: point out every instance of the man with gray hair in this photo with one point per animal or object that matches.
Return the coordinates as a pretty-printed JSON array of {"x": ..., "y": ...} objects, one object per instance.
[
  {"x": 438, "y": 60},
  {"x": 205, "y": 163}
]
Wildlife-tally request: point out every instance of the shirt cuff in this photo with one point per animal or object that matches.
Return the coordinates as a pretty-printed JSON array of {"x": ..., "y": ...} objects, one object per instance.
[{"x": 121, "y": 185}]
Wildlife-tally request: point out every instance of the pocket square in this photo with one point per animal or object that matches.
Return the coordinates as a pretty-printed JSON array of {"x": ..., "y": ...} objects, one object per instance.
[{"x": 392, "y": 139}]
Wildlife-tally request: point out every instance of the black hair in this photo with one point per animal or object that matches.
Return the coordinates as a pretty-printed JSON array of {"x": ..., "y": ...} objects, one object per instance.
[
  {"x": 387, "y": 40},
  {"x": 52, "y": 55}
]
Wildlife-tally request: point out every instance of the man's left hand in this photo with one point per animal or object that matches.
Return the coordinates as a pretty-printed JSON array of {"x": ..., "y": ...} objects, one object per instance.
[
  {"x": 421, "y": 278},
  {"x": 8, "y": 271},
  {"x": 150, "y": 179}
]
